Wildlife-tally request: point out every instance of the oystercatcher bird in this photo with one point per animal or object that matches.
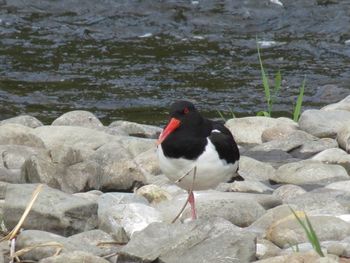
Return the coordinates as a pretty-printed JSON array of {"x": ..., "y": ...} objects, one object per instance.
[{"x": 196, "y": 153}]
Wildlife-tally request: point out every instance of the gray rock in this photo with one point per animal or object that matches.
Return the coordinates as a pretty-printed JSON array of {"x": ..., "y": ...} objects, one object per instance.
[
  {"x": 66, "y": 155},
  {"x": 25, "y": 120},
  {"x": 92, "y": 195},
  {"x": 78, "y": 118},
  {"x": 255, "y": 125},
  {"x": 148, "y": 164},
  {"x": 136, "y": 129},
  {"x": 53, "y": 210},
  {"x": 119, "y": 211},
  {"x": 74, "y": 257},
  {"x": 4, "y": 252},
  {"x": 274, "y": 157},
  {"x": 278, "y": 132},
  {"x": 288, "y": 191},
  {"x": 19, "y": 135},
  {"x": 247, "y": 186},
  {"x": 341, "y": 105},
  {"x": 192, "y": 242},
  {"x": 339, "y": 248},
  {"x": 103, "y": 243},
  {"x": 343, "y": 137},
  {"x": 341, "y": 185},
  {"x": 299, "y": 144},
  {"x": 334, "y": 156},
  {"x": 323, "y": 201},
  {"x": 310, "y": 257},
  {"x": 53, "y": 243},
  {"x": 287, "y": 231},
  {"x": 241, "y": 209},
  {"x": 310, "y": 172},
  {"x": 251, "y": 169},
  {"x": 323, "y": 123}
]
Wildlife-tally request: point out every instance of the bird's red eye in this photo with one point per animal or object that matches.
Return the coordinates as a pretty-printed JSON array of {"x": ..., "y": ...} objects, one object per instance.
[{"x": 186, "y": 110}]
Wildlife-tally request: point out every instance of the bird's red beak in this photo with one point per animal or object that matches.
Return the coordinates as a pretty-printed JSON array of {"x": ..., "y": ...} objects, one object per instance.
[{"x": 172, "y": 125}]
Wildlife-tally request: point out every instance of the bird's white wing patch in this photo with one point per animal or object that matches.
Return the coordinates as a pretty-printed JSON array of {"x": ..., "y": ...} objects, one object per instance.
[{"x": 215, "y": 130}]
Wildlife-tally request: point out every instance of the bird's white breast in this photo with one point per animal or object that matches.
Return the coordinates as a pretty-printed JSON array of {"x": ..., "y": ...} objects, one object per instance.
[{"x": 210, "y": 169}]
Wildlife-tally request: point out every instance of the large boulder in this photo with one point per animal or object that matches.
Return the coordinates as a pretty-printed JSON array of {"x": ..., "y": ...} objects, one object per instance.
[
  {"x": 78, "y": 118},
  {"x": 25, "y": 120},
  {"x": 198, "y": 241},
  {"x": 53, "y": 210},
  {"x": 18, "y": 134}
]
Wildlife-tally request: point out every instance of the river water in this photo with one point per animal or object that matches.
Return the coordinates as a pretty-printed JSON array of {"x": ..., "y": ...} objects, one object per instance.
[{"x": 130, "y": 59}]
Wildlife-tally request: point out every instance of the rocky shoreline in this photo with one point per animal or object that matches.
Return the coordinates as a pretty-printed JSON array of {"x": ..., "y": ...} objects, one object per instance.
[{"x": 105, "y": 200}]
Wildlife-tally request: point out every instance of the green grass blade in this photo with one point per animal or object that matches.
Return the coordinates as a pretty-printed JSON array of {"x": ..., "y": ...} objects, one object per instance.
[
  {"x": 316, "y": 242},
  {"x": 232, "y": 113},
  {"x": 278, "y": 82},
  {"x": 297, "y": 109},
  {"x": 265, "y": 81},
  {"x": 221, "y": 115},
  {"x": 263, "y": 113}
]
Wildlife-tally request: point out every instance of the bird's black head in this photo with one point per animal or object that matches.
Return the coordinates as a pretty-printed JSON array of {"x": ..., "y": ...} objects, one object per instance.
[{"x": 183, "y": 115}]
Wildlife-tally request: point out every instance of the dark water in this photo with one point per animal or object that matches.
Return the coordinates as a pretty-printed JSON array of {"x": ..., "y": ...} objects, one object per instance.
[{"x": 130, "y": 59}]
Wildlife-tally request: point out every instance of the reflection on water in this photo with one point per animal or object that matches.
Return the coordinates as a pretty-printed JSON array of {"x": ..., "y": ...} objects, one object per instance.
[{"x": 131, "y": 59}]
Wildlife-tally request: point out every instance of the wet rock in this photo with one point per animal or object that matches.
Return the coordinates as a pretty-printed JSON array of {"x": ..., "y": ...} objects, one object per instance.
[
  {"x": 112, "y": 218},
  {"x": 287, "y": 231},
  {"x": 322, "y": 124},
  {"x": 153, "y": 193},
  {"x": 74, "y": 257},
  {"x": 344, "y": 104},
  {"x": 191, "y": 242},
  {"x": 19, "y": 135},
  {"x": 343, "y": 137},
  {"x": 266, "y": 249},
  {"x": 136, "y": 129},
  {"x": 78, "y": 118},
  {"x": 255, "y": 125},
  {"x": 310, "y": 172},
  {"x": 53, "y": 210},
  {"x": 274, "y": 157},
  {"x": 245, "y": 186},
  {"x": 251, "y": 169},
  {"x": 288, "y": 191},
  {"x": 241, "y": 209},
  {"x": 310, "y": 257},
  {"x": 323, "y": 201},
  {"x": 25, "y": 120}
]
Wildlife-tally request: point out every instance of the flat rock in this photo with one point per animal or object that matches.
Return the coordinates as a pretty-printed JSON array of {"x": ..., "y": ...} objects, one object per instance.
[
  {"x": 78, "y": 118},
  {"x": 25, "y": 120},
  {"x": 287, "y": 231},
  {"x": 255, "y": 125},
  {"x": 321, "y": 123},
  {"x": 136, "y": 129},
  {"x": 334, "y": 156},
  {"x": 18, "y": 134},
  {"x": 53, "y": 210},
  {"x": 275, "y": 158},
  {"x": 191, "y": 242},
  {"x": 310, "y": 172},
  {"x": 74, "y": 257},
  {"x": 288, "y": 191},
  {"x": 323, "y": 201},
  {"x": 341, "y": 185},
  {"x": 247, "y": 186},
  {"x": 299, "y": 144},
  {"x": 251, "y": 169},
  {"x": 341, "y": 105},
  {"x": 241, "y": 209},
  {"x": 309, "y": 257},
  {"x": 113, "y": 221}
]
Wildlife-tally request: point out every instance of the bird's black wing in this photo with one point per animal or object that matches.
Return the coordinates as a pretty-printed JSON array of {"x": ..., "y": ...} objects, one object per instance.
[{"x": 224, "y": 143}]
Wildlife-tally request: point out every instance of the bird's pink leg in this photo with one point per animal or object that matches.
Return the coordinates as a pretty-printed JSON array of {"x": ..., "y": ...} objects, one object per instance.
[{"x": 193, "y": 208}]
